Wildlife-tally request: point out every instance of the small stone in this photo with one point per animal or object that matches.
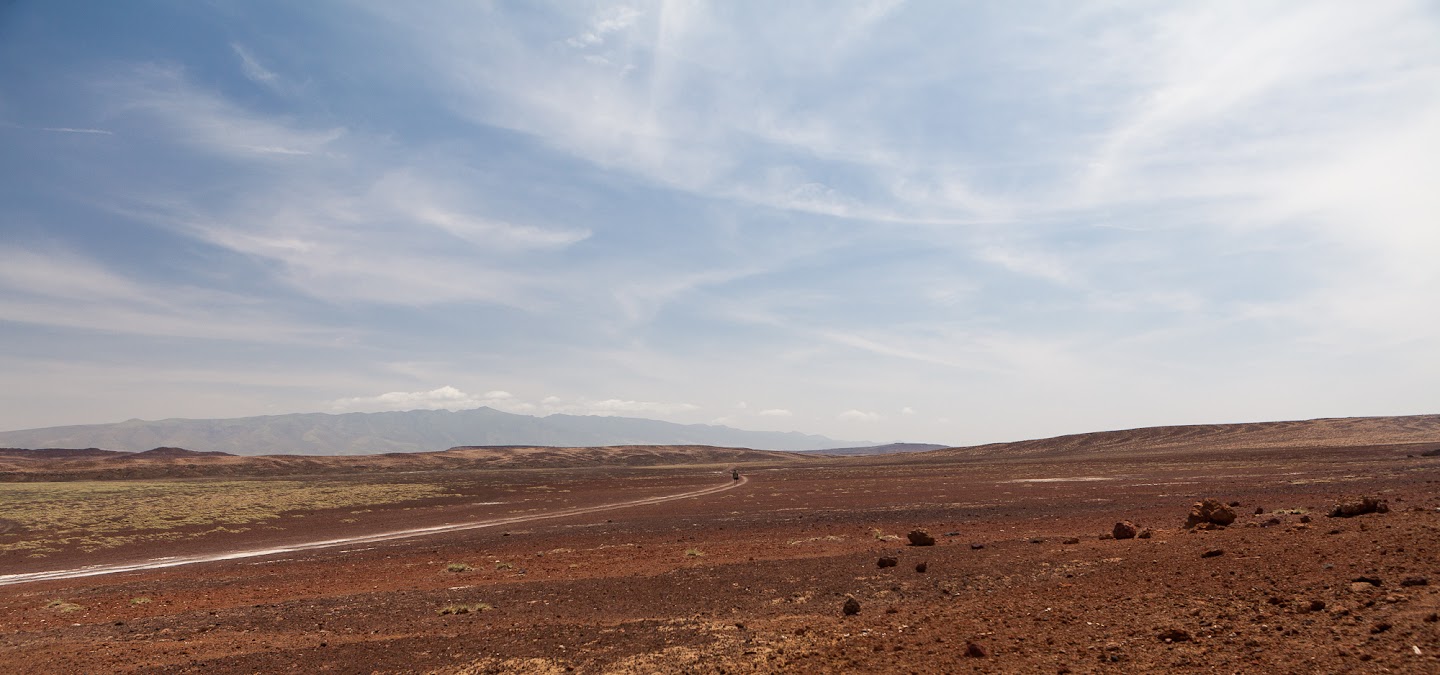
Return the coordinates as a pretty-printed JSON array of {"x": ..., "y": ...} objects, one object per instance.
[
  {"x": 976, "y": 547},
  {"x": 952, "y": 534},
  {"x": 920, "y": 538},
  {"x": 1072, "y": 541},
  {"x": 1145, "y": 534},
  {"x": 1414, "y": 581},
  {"x": 1234, "y": 503},
  {"x": 1037, "y": 540},
  {"x": 891, "y": 610},
  {"x": 1213, "y": 553},
  {"x": 851, "y": 607},
  {"x": 1380, "y": 627},
  {"x": 886, "y": 562},
  {"x": 975, "y": 651},
  {"x": 921, "y": 567},
  {"x": 1305, "y": 519},
  {"x": 1174, "y": 635},
  {"x": 1124, "y": 530},
  {"x": 1259, "y": 510},
  {"x": 1317, "y": 606},
  {"x": 1107, "y": 536},
  {"x": 1373, "y": 581},
  {"x": 1271, "y": 522}
]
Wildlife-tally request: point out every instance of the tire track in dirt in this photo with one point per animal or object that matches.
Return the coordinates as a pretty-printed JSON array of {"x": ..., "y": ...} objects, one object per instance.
[{"x": 176, "y": 561}]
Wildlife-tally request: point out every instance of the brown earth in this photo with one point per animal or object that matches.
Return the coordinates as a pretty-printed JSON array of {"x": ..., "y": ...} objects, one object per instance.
[
  {"x": 20, "y": 465},
  {"x": 755, "y": 578}
]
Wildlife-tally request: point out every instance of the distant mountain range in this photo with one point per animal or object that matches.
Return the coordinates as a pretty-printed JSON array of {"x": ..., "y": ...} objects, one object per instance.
[
  {"x": 410, "y": 431},
  {"x": 887, "y": 449}
]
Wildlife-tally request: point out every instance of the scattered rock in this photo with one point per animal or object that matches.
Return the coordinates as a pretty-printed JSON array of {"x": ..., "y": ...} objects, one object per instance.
[
  {"x": 952, "y": 534},
  {"x": 886, "y": 562},
  {"x": 975, "y": 651},
  {"x": 1432, "y": 617},
  {"x": 1124, "y": 530},
  {"x": 1258, "y": 510},
  {"x": 921, "y": 567},
  {"x": 1359, "y": 507},
  {"x": 1380, "y": 627},
  {"x": 920, "y": 538},
  {"x": 1210, "y": 511},
  {"x": 1213, "y": 553},
  {"x": 1174, "y": 635},
  {"x": 1373, "y": 581},
  {"x": 1072, "y": 541},
  {"x": 1304, "y": 519},
  {"x": 1145, "y": 534},
  {"x": 1316, "y": 606},
  {"x": 851, "y": 606},
  {"x": 1234, "y": 503},
  {"x": 1270, "y": 522},
  {"x": 976, "y": 547},
  {"x": 1106, "y": 536},
  {"x": 1415, "y": 581},
  {"x": 1037, "y": 540}
]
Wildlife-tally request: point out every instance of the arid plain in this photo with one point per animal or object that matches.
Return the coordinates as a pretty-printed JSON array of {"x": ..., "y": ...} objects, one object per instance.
[{"x": 655, "y": 560}]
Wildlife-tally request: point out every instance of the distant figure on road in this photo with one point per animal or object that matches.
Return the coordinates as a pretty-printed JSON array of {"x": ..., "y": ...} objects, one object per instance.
[{"x": 735, "y": 473}]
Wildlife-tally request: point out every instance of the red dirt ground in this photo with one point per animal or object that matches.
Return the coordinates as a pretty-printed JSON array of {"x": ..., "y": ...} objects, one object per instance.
[{"x": 753, "y": 579}]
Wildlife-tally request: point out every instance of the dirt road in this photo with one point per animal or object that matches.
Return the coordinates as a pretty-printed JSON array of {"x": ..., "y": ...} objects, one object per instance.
[{"x": 175, "y": 561}]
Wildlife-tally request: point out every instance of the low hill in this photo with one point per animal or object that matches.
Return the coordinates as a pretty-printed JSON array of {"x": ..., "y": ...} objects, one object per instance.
[
  {"x": 42, "y": 465},
  {"x": 411, "y": 431},
  {"x": 888, "y": 449},
  {"x": 1328, "y": 433}
]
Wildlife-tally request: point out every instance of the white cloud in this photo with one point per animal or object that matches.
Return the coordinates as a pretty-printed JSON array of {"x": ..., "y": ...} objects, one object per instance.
[
  {"x": 207, "y": 121},
  {"x": 907, "y": 410},
  {"x": 615, "y": 406},
  {"x": 73, "y": 130},
  {"x": 65, "y": 289},
  {"x": 853, "y": 415},
  {"x": 776, "y": 412},
  {"x": 251, "y": 67},
  {"x": 443, "y": 398}
]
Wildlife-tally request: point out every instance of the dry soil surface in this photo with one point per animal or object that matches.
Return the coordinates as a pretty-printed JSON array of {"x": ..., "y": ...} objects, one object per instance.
[{"x": 755, "y": 578}]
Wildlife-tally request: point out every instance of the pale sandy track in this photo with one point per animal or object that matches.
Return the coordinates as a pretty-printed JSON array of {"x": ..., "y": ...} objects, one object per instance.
[{"x": 176, "y": 561}]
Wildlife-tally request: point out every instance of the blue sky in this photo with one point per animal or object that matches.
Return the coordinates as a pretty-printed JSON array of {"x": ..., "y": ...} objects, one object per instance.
[{"x": 927, "y": 221}]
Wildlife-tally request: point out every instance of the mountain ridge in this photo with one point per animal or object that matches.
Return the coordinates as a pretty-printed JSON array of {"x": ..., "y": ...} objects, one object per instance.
[{"x": 400, "y": 431}]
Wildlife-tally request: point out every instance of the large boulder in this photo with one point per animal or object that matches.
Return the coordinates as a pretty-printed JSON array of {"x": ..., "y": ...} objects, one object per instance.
[
  {"x": 920, "y": 538},
  {"x": 1212, "y": 511},
  {"x": 1359, "y": 507},
  {"x": 1125, "y": 530}
]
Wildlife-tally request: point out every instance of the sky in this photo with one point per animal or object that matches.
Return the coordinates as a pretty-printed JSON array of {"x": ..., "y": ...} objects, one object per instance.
[{"x": 931, "y": 221}]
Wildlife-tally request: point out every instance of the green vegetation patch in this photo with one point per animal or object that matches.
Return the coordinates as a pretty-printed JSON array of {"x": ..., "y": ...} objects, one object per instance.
[{"x": 94, "y": 515}]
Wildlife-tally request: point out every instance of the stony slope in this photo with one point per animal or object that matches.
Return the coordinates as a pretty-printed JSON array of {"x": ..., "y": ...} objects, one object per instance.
[
  {"x": 42, "y": 465},
  {"x": 1332, "y": 432}
]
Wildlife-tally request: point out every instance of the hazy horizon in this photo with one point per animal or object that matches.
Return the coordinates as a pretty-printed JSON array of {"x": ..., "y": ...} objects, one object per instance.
[{"x": 880, "y": 220}]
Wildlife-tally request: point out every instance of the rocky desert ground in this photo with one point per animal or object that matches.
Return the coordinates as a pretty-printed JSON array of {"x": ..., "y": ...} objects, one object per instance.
[{"x": 1005, "y": 558}]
